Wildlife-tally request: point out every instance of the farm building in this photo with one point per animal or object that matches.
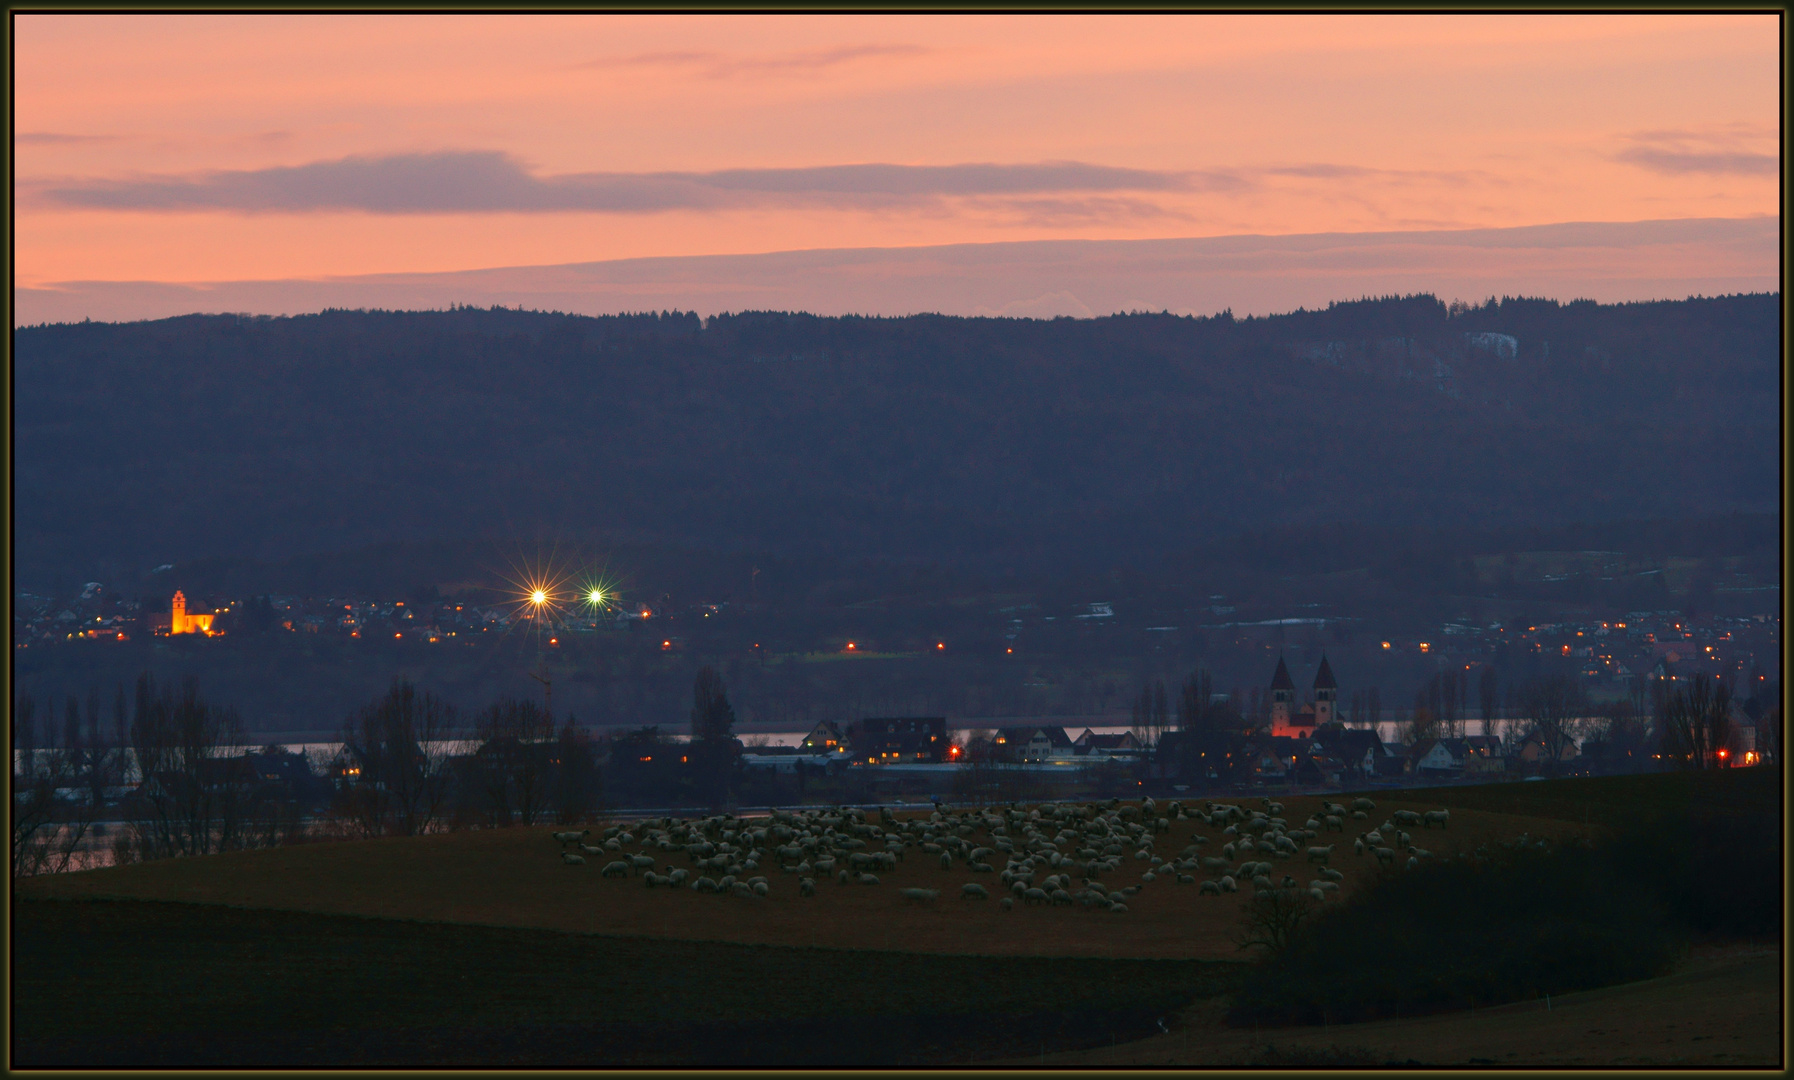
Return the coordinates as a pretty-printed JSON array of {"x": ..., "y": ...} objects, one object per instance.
[
  {"x": 897, "y": 740},
  {"x": 1034, "y": 744}
]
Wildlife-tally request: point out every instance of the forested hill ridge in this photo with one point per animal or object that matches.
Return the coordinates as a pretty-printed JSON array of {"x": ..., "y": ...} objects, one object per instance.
[{"x": 990, "y": 444}]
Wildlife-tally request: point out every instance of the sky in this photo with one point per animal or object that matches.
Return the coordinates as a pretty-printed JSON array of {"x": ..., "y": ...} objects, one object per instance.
[{"x": 177, "y": 162}]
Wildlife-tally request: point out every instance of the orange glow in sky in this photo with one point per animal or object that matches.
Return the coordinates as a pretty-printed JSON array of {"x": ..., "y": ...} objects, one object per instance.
[{"x": 208, "y": 148}]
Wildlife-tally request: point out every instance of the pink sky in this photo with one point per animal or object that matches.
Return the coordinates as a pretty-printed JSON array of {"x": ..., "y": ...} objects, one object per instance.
[{"x": 199, "y": 148}]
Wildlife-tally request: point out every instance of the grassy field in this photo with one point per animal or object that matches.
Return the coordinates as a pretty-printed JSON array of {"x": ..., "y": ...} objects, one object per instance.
[
  {"x": 1616, "y": 800},
  {"x": 484, "y": 949},
  {"x": 133, "y": 983},
  {"x": 515, "y": 877},
  {"x": 1722, "y": 1008}
]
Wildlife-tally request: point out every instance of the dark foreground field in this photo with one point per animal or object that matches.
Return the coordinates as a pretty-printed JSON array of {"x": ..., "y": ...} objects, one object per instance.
[{"x": 121, "y": 983}]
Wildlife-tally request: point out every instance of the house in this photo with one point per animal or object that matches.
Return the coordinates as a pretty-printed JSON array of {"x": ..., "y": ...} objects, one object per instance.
[
  {"x": 1438, "y": 756},
  {"x": 1357, "y": 748},
  {"x": 1395, "y": 764},
  {"x": 1318, "y": 770},
  {"x": 825, "y": 739},
  {"x": 898, "y": 740},
  {"x": 1034, "y": 744},
  {"x": 1200, "y": 756},
  {"x": 1122, "y": 745},
  {"x": 1532, "y": 750}
]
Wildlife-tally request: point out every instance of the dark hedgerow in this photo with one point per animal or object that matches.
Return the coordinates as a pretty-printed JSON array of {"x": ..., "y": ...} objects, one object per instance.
[{"x": 1517, "y": 923}]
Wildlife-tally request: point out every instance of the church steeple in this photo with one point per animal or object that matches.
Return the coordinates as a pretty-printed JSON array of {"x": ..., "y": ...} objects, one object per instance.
[
  {"x": 1326, "y": 694},
  {"x": 1283, "y": 695}
]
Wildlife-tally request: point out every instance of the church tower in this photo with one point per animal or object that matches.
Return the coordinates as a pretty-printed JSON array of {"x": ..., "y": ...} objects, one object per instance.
[
  {"x": 1326, "y": 695},
  {"x": 1283, "y": 695},
  {"x": 177, "y": 614}
]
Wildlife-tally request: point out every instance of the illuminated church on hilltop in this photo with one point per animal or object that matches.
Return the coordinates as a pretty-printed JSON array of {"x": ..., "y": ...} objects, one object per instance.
[
  {"x": 1300, "y": 723},
  {"x": 180, "y": 622}
]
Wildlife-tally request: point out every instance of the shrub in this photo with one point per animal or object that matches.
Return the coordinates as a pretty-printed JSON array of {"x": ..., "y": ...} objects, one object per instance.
[{"x": 1518, "y": 923}]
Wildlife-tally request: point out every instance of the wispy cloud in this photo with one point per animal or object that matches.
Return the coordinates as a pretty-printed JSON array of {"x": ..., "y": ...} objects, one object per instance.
[
  {"x": 57, "y": 138},
  {"x": 717, "y": 65},
  {"x": 1724, "y": 149},
  {"x": 492, "y": 182}
]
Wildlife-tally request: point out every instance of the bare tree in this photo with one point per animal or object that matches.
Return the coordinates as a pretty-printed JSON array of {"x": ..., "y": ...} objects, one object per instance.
[
  {"x": 190, "y": 799},
  {"x": 42, "y": 840},
  {"x": 1553, "y": 708},
  {"x": 1488, "y": 695},
  {"x": 576, "y": 778},
  {"x": 1697, "y": 724},
  {"x": 397, "y": 743},
  {"x": 1272, "y": 918}
]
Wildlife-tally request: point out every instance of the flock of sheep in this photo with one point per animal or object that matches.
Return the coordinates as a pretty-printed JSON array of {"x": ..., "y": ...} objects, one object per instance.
[{"x": 1052, "y": 855}]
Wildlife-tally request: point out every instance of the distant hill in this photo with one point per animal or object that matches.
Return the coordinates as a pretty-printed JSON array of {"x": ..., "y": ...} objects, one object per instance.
[{"x": 994, "y": 445}]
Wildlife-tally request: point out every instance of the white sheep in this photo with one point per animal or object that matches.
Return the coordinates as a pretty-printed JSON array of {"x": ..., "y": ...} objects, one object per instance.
[
  {"x": 591, "y": 850},
  {"x": 1007, "y": 903},
  {"x": 1228, "y": 884},
  {"x": 1035, "y": 896},
  {"x": 1118, "y": 907},
  {"x": 703, "y": 884},
  {"x": 1441, "y": 818},
  {"x": 678, "y": 877},
  {"x": 571, "y": 859},
  {"x": 971, "y": 890},
  {"x": 921, "y": 896},
  {"x": 1386, "y": 855},
  {"x": 1330, "y": 874},
  {"x": 1209, "y": 888},
  {"x": 619, "y": 868},
  {"x": 1406, "y": 817},
  {"x": 642, "y": 862},
  {"x": 1335, "y": 822},
  {"x": 806, "y": 886},
  {"x": 1363, "y": 804},
  {"x": 1320, "y": 854},
  {"x": 571, "y": 837}
]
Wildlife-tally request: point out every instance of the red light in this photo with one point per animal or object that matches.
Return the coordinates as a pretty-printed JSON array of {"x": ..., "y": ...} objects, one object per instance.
[
  {"x": 942, "y": 645},
  {"x": 666, "y": 644},
  {"x": 850, "y": 645},
  {"x": 1008, "y": 650}
]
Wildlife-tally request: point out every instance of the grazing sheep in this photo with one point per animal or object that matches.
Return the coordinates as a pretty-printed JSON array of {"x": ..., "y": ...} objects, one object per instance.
[
  {"x": 1118, "y": 907},
  {"x": 921, "y": 896},
  {"x": 1441, "y": 818},
  {"x": 677, "y": 877},
  {"x": 1331, "y": 874},
  {"x": 1061, "y": 897},
  {"x": 1312, "y": 823},
  {"x": 1386, "y": 855},
  {"x": 1229, "y": 850},
  {"x": 619, "y": 868},
  {"x": 971, "y": 890},
  {"x": 1335, "y": 822},
  {"x": 571, "y": 859},
  {"x": 1209, "y": 888},
  {"x": 1406, "y": 817},
  {"x": 982, "y": 868},
  {"x": 642, "y": 862},
  {"x": 1321, "y": 854},
  {"x": 1413, "y": 862},
  {"x": 703, "y": 884},
  {"x": 1007, "y": 903},
  {"x": 946, "y": 861},
  {"x": 1186, "y": 879},
  {"x": 1318, "y": 895},
  {"x": 1228, "y": 884},
  {"x": 841, "y": 877},
  {"x": 1035, "y": 896},
  {"x": 1404, "y": 840},
  {"x": 741, "y": 888},
  {"x": 1324, "y": 885},
  {"x": 806, "y": 886},
  {"x": 590, "y": 850},
  {"x": 1261, "y": 881},
  {"x": 823, "y": 866},
  {"x": 1363, "y": 804},
  {"x": 1359, "y": 815},
  {"x": 1358, "y": 846}
]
